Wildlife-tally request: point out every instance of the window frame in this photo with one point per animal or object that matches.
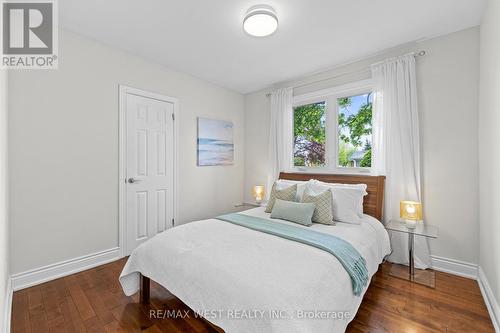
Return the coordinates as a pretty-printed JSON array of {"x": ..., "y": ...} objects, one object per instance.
[{"x": 330, "y": 97}]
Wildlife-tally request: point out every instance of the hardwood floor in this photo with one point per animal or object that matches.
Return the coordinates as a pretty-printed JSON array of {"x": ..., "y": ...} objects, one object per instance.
[{"x": 92, "y": 301}]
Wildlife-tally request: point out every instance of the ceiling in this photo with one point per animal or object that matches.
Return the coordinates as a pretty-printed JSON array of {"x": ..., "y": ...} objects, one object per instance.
[{"x": 205, "y": 38}]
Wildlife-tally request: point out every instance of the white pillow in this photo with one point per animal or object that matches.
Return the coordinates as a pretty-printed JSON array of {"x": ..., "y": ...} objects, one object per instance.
[
  {"x": 281, "y": 184},
  {"x": 347, "y": 200},
  {"x": 360, "y": 187}
]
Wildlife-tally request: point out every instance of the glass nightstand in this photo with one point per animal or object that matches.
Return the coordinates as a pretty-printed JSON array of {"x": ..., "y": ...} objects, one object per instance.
[
  {"x": 426, "y": 277},
  {"x": 245, "y": 206}
]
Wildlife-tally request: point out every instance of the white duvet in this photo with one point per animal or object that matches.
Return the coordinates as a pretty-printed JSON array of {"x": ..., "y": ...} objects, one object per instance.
[{"x": 248, "y": 281}]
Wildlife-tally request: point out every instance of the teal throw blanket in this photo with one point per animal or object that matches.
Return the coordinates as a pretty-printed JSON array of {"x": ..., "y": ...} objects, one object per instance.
[{"x": 349, "y": 257}]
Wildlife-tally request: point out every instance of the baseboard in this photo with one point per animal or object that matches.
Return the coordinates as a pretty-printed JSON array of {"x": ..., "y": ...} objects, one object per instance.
[
  {"x": 8, "y": 306},
  {"x": 64, "y": 268},
  {"x": 490, "y": 300},
  {"x": 455, "y": 267}
]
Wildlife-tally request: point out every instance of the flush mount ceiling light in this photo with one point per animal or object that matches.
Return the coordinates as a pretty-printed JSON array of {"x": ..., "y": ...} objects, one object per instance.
[{"x": 260, "y": 21}]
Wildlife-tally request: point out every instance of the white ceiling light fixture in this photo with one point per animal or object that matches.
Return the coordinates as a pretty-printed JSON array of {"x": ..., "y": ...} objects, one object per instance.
[{"x": 260, "y": 21}]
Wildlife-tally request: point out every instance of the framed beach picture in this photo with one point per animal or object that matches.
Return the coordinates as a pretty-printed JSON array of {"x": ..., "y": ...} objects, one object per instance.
[{"x": 215, "y": 142}]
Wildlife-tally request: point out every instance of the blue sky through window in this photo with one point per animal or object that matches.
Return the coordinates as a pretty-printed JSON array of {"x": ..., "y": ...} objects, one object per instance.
[{"x": 356, "y": 102}]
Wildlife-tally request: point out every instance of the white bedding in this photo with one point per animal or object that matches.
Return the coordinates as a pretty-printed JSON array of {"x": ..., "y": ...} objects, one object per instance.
[{"x": 228, "y": 272}]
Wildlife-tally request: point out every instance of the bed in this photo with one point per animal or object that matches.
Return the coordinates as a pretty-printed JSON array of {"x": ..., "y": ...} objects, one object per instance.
[{"x": 243, "y": 280}]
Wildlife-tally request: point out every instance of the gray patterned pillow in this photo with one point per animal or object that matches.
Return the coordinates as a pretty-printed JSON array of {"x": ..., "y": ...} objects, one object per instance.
[
  {"x": 287, "y": 194},
  {"x": 324, "y": 201}
]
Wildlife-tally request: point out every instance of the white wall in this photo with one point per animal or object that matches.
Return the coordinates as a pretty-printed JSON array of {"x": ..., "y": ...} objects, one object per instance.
[
  {"x": 4, "y": 241},
  {"x": 448, "y": 98},
  {"x": 64, "y": 150},
  {"x": 489, "y": 153},
  {"x": 257, "y": 163},
  {"x": 447, "y": 88}
]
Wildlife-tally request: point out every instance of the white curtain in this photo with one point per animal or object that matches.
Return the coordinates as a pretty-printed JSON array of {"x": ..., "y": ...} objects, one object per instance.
[
  {"x": 396, "y": 147},
  {"x": 281, "y": 123}
]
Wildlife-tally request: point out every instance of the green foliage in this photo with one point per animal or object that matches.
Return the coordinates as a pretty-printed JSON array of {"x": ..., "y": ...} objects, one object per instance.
[
  {"x": 366, "y": 161},
  {"x": 309, "y": 122},
  {"x": 358, "y": 125},
  {"x": 352, "y": 129},
  {"x": 345, "y": 152},
  {"x": 299, "y": 161},
  {"x": 344, "y": 102},
  {"x": 309, "y": 135},
  {"x": 368, "y": 145},
  {"x": 342, "y": 124}
]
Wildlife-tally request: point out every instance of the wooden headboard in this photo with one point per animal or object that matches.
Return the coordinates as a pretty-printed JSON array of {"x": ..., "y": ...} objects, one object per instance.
[{"x": 373, "y": 202}]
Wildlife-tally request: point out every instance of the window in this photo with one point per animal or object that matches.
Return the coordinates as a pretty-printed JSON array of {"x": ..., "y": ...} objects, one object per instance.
[
  {"x": 332, "y": 130},
  {"x": 355, "y": 131},
  {"x": 309, "y": 135}
]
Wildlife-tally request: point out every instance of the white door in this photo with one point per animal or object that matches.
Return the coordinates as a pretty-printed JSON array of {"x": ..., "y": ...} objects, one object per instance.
[{"x": 149, "y": 168}]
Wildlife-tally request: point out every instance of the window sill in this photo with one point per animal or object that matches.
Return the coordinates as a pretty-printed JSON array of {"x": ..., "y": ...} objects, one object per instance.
[{"x": 336, "y": 171}]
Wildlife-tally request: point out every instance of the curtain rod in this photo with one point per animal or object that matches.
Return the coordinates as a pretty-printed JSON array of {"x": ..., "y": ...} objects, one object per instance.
[{"x": 416, "y": 54}]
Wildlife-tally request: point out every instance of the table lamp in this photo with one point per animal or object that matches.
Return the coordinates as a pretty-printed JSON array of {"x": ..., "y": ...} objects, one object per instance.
[
  {"x": 258, "y": 193},
  {"x": 410, "y": 212}
]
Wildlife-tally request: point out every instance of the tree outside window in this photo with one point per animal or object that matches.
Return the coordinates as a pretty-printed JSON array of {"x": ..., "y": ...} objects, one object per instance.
[
  {"x": 355, "y": 130},
  {"x": 309, "y": 135},
  {"x": 354, "y": 133}
]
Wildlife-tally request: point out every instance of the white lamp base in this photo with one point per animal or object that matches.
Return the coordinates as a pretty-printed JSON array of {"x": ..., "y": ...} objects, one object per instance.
[{"x": 411, "y": 224}]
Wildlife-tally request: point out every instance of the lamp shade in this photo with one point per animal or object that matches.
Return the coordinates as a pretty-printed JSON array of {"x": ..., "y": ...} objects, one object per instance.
[
  {"x": 410, "y": 210},
  {"x": 258, "y": 193}
]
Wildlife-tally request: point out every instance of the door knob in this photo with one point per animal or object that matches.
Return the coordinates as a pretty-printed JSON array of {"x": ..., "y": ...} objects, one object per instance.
[{"x": 132, "y": 180}]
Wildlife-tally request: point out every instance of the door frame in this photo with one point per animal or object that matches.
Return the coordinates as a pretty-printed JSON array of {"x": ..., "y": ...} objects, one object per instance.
[{"x": 122, "y": 156}]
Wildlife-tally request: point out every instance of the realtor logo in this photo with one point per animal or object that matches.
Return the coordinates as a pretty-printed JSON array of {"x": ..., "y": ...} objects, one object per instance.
[{"x": 29, "y": 35}]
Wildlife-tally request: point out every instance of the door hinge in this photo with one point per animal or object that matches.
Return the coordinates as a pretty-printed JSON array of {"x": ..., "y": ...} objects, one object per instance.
[
  {"x": 173, "y": 223},
  {"x": 173, "y": 116}
]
